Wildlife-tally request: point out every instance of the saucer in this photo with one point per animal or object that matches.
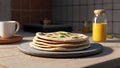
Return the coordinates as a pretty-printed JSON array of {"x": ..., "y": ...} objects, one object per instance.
[{"x": 13, "y": 39}]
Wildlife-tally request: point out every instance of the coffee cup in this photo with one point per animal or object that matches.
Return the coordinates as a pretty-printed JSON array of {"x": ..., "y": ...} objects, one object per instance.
[{"x": 8, "y": 28}]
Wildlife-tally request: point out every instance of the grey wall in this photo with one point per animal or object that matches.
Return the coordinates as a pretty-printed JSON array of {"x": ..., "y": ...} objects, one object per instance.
[
  {"x": 5, "y": 10},
  {"x": 75, "y": 11}
]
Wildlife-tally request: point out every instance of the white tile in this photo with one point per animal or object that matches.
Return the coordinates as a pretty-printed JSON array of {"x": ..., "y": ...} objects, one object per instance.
[
  {"x": 5, "y": 10},
  {"x": 116, "y": 16},
  {"x": 64, "y": 2},
  {"x": 90, "y": 15},
  {"x": 107, "y": 1},
  {"x": 107, "y": 6},
  {"x": 116, "y": 27},
  {"x": 116, "y": 6},
  {"x": 98, "y": 7},
  {"x": 84, "y": 8},
  {"x": 98, "y": 1},
  {"x": 54, "y": 13},
  {"x": 90, "y": 12},
  {"x": 57, "y": 2},
  {"x": 76, "y": 27},
  {"x": 76, "y": 2},
  {"x": 63, "y": 13},
  {"x": 109, "y": 27},
  {"x": 91, "y": 7},
  {"x": 83, "y": 13},
  {"x": 83, "y": 1},
  {"x": 54, "y": 2},
  {"x": 90, "y": 2},
  {"x": 109, "y": 15},
  {"x": 69, "y": 13},
  {"x": 91, "y": 22},
  {"x": 116, "y": 1},
  {"x": 59, "y": 14},
  {"x": 69, "y": 2},
  {"x": 76, "y": 13}
]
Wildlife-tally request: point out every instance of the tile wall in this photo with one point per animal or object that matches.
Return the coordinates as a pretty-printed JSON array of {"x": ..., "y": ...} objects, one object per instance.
[
  {"x": 75, "y": 11},
  {"x": 5, "y": 13},
  {"x": 30, "y": 11}
]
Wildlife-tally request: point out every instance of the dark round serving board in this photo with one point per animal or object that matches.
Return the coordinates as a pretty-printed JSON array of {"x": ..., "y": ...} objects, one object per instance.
[{"x": 95, "y": 48}]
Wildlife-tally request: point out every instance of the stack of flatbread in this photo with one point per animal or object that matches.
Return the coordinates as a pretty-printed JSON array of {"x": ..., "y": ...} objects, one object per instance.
[{"x": 60, "y": 41}]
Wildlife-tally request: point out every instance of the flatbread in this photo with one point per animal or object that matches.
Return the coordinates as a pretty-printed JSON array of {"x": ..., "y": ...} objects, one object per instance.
[
  {"x": 44, "y": 40},
  {"x": 60, "y": 41},
  {"x": 62, "y": 44},
  {"x": 59, "y": 48},
  {"x": 62, "y": 36},
  {"x": 53, "y": 42}
]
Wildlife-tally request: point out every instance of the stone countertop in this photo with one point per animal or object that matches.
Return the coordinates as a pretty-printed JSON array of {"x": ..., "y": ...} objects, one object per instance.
[{"x": 11, "y": 57}]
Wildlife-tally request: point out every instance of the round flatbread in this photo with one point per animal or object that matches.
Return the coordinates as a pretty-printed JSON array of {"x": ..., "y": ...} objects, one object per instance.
[
  {"x": 60, "y": 41},
  {"x": 59, "y": 48},
  {"x": 62, "y": 44},
  {"x": 44, "y": 40},
  {"x": 53, "y": 42},
  {"x": 62, "y": 36}
]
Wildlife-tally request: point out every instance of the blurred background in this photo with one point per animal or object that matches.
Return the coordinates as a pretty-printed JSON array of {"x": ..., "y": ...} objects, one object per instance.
[{"x": 60, "y": 11}]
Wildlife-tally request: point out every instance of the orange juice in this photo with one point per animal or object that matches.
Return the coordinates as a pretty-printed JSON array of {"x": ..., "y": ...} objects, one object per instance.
[{"x": 99, "y": 32}]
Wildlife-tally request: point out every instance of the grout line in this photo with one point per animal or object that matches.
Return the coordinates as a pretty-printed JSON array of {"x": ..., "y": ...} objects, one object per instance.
[
  {"x": 72, "y": 11},
  {"x": 112, "y": 16}
]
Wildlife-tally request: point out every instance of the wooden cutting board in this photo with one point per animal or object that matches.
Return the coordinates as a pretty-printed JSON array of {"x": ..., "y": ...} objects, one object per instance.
[
  {"x": 95, "y": 48},
  {"x": 13, "y": 39}
]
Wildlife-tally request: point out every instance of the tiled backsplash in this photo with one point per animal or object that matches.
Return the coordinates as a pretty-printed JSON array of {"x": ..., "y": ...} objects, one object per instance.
[
  {"x": 5, "y": 10},
  {"x": 31, "y": 11},
  {"x": 64, "y": 11},
  {"x": 75, "y": 11}
]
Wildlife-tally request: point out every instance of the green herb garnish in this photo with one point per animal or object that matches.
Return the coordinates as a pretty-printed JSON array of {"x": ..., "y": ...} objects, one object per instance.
[
  {"x": 68, "y": 32},
  {"x": 54, "y": 37},
  {"x": 62, "y": 36},
  {"x": 75, "y": 37},
  {"x": 65, "y": 33},
  {"x": 50, "y": 34}
]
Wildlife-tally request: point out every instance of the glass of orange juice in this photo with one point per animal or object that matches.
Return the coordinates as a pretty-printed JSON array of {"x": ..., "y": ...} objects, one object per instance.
[
  {"x": 99, "y": 32},
  {"x": 99, "y": 26}
]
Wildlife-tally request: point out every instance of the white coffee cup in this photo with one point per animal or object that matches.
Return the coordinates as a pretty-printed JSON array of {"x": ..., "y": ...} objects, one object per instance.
[{"x": 8, "y": 28}]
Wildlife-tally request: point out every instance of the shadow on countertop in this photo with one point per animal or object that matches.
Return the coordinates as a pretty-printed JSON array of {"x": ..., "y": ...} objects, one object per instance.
[{"x": 114, "y": 63}]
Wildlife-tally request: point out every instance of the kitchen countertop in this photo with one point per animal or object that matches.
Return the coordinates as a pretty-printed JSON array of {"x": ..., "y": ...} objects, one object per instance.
[{"x": 11, "y": 57}]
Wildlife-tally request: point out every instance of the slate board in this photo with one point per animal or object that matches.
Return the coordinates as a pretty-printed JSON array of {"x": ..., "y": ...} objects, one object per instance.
[{"x": 95, "y": 48}]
